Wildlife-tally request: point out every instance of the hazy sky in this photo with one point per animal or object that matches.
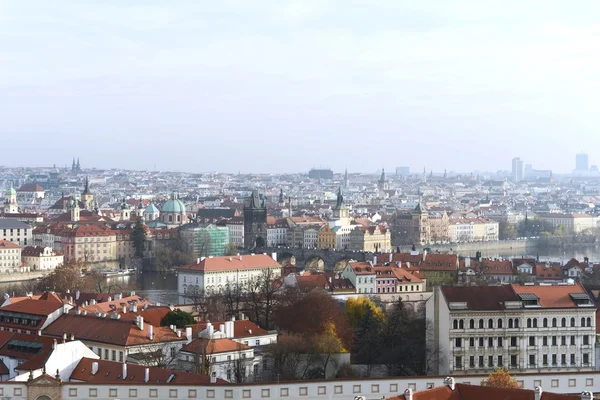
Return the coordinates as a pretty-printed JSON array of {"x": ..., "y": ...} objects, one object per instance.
[{"x": 282, "y": 86}]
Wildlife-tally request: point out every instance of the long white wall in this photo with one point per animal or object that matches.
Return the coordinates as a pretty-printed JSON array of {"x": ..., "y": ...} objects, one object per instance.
[{"x": 306, "y": 390}]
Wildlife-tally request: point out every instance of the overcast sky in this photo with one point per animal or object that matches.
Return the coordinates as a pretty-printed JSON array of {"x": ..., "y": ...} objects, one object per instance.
[{"x": 282, "y": 86}]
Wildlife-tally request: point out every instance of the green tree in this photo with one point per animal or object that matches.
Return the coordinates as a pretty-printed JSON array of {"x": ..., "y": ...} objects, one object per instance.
[
  {"x": 138, "y": 236},
  {"x": 507, "y": 231},
  {"x": 178, "y": 318},
  {"x": 231, "y": 249},
  {"x": 368, "y": 342},
  {"x": 356, "y": 308}
]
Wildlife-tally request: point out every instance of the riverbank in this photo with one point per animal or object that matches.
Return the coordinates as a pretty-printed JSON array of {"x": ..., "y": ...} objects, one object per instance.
[{"x": 20, "y": 277}]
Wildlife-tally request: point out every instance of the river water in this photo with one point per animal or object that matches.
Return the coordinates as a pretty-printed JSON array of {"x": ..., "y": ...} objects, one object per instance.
[{"x": 162, "y": 287}]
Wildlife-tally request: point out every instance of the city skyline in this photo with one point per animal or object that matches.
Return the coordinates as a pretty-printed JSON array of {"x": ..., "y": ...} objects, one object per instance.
[{"x": 232, "y": 87}]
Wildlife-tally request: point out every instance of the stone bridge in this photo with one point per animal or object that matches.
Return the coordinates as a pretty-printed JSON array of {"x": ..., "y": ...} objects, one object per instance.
[{"x": 321, "y": 259}]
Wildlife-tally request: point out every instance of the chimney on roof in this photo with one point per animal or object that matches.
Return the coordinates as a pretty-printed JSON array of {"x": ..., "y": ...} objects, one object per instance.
[
  {"x": 39, "y": 332},
  {"x": 188, "y": 334},
  {"x": 124, "y": 373},
  {"x": 585, "y": 395},
  {"x": 92, "y": 302},
  {"x": 94, "y": 368},
  {"x": 211, "y": 330},
  {"x": 124, "y": 308},
  {"x": 222, "y": 328},
  {"x": 64, "y": 337},
  {"x": 468, "y": 262},
  {"x": 132, "y": 293},
  {"x": 178, "y": 333},
  {"x": 390, "y": 257},
  {"x": 171, "y": 307},
  {"x": 408, "y": 394},
  {"x": 84, "y": 313},
  {"x": 109, "y": 299},
  {"x": 538, "y": 393},
  {"x": 146, "y": 374},
  {"x": 140, "y": 322},
  {"x": 150, "y": 332},
  {"x": 213, "y": 379},
  {"x": 72, "y": 336},
  {"x": 424, "y": 254},
  {"x": 202, "y": 259},
  {"x": 134, "y": 307},
  {"x": 449, "y": 381},
  {"x": 198, "y": 260},
  {"x": 274, "y": 256},
  {"x": 54, "y": 344}
]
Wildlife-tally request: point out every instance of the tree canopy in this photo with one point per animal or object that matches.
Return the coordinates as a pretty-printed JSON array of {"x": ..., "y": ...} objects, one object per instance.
[
  {"x": 356, "y": 309},
  {"x": 178, "y": 318},
  {"x": 501, "y": 378}
]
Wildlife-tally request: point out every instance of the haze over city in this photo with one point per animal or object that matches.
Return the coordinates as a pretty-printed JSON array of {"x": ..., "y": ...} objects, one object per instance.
[{"x": 269, "y": 86}]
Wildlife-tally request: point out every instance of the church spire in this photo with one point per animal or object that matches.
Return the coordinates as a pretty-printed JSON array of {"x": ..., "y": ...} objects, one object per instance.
[{"x": 86, "y": 189}]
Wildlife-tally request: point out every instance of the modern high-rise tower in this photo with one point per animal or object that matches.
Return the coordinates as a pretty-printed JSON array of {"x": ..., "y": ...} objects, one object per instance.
[
  {"x": 517, "y": 170},
  {"x": 581, "y": 162}
]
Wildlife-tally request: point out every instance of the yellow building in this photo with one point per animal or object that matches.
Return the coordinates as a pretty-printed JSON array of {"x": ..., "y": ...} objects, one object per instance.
[
  {"x": 326, "y": 238},
  {"x": 370, "y": 238}
]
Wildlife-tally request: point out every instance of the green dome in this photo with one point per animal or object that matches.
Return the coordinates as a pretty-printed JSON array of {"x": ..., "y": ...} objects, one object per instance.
[
  {"x": 11, "y": 192},
  {"x": 173, "y": 206}
]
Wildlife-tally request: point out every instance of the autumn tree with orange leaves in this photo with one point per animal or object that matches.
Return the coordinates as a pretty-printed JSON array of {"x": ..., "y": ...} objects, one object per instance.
[{"x": 501, "y": 378}]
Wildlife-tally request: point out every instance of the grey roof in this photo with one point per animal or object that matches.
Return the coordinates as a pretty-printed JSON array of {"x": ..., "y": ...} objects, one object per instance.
[
  {"x": 215, "y": 212},
  {"x": 10, "y": 223}
]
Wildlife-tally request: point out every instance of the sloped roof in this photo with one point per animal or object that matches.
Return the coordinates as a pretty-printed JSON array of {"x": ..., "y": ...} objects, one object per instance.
[{"x": 480, "y": 297}]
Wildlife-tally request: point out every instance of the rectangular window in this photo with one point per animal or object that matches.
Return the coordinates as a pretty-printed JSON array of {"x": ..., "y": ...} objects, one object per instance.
[
  {"x": 490, "y": 361},
  {"x": 513, "y": 361},
  {"x": 472, "y": 362},
  {"x": 532, "y": 360},
  {"x": 572, "y": 340},
  {"x": 545, "y": 341},
  {"x": 114, "y": 355},
  {"x": 563, "y": 359},
  {"x": 472, "y": 342},
  {"x": 513, "y": 341},
  {"x": 572, "y": 359},
  {"x": 545, "y": 359},
  {"x": 586, "y": 359},
  {"x": 173, "y": 393},
  {"x": 106, "y": 354},
  {"x": 93, "y": 393},
  {"x": 532, "y": 340},
  {"x": 458, "y": 362},
  {"x": 586, "y": 339},
  {"x": 554, "y": 359},
  {"x": 490, "y": 342},
  {"x": 72, "y": 392},
  {"x": 481, "y": 361},
  {"x": 563, "y": 340},
  {"x": 480, "y": 342},
  {"x": 499, "y": 342},
  {"x": 112, "y": 392},
  {"x": 553, "y": 340},
  {"x": 458, "y": 342},
  {"x": 132, "y": 392},
  {"x": 499, "y": 361}
]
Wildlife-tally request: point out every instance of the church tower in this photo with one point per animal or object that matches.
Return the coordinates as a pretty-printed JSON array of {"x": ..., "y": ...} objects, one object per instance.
[
  {"x": 10, "y": 202},
  {"x": 74, "y": 209},
  {"x": 87, "y": 197},
  {"x": 125, "y": 212},
  {"x": 341, "y": 215},
  {"x": 382, "y": 185},
  {"x": 346, "y": 183},
  {"x": 255, "y": 221}
]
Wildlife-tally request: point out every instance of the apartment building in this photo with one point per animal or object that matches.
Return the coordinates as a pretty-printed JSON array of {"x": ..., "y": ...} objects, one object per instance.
[
  {"x": 571, "y": 223},
  {"x": 41, "y": 258},
  {"x": 532, "y": 328},
  {"x": 211, "y": 274},
  {"x": 10, "y": 257},
  {"x": 15, "y": 231},
  {"x": 370, "y": 238}
]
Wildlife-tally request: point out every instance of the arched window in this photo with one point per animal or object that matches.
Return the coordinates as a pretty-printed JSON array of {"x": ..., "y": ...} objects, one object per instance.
[
  {"x": 545, "y": 324},
  {"x": 582, "y": 322},
  {"x": 455, "y": 324},
  {"x": 516, "y": 322},
  {"x": 589, "y": 322},
  {"x": 572, "y": 322},
  {"x": 554, "y": 322},
  {"x": 535, "y": 322},
  {"x": 499, "y": 323},
  {"x": 529, "y": 322},
  {"x": 490, "y": 323},
  {"x": 510, "y": 323},
  {"x": 472, "y": 324},
  {"x": 563, "y": 322},
  {"x": 480, "y": 324},
  {"x": 461, "y": 324}
]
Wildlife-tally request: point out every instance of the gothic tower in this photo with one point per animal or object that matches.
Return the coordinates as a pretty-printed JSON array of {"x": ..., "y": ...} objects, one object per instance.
[
  {"x": 74, "y": 209},
  {"x": 346, "y": 183},
  {"x": 341, "y": 215},
  {"x": 255, "y": 221}
]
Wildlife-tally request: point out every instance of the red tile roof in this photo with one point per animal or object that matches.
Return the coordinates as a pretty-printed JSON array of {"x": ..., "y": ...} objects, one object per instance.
[
  {"x": 7, "y": 244},
  {"x": 110, "y": 372},
  {"x": 34, "y": 307},
  {"x": 480, "y": 297},
  {"x": 555, "y": 296},
  {"x": 243, "y": 262},
  {"x": 214, "y": 346}
]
